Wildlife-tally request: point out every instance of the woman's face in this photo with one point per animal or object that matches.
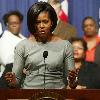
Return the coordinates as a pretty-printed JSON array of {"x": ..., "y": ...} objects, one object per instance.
[
  {"x": 14, "y": 24},
  {"x": 79, "y": 52},
  {"x": 43, "y": 26}
]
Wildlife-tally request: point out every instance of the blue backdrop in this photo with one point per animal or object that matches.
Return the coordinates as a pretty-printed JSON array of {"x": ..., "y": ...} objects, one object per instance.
[
  {"x": 21, "y": 5},
  {"x": 78, "y": 9}
]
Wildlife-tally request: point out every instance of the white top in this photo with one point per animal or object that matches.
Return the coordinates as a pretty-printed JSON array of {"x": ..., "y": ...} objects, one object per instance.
[
  {"x": 8, "y": 41},
  {"x": 0, "y": 28}
]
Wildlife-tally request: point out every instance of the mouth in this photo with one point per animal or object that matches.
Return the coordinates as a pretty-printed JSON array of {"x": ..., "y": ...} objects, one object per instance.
[
  {"x": 75, "y": 54},
  {"x": 42, "y": 32}
]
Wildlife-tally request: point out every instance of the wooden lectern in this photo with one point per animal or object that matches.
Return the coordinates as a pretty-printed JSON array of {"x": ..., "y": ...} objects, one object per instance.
[{"x": 63, "y": 94}]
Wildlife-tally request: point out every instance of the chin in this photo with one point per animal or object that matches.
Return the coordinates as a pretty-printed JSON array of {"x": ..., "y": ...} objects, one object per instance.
[
  {"x": 90, "y": 34},
  {"x": 44, "y": 40},
  {"x": 15, "y": 33}
]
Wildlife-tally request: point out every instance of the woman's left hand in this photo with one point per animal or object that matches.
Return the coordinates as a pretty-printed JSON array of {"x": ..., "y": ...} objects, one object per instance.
[{"x": 72, "y": 79}]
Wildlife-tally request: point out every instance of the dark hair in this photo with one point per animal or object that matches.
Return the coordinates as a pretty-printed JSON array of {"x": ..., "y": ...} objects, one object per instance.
[
  {"x": 91, "y": 18},
  {"x": 84, "y": 44},
  {"x": 7, "y": 15},
  {"x": 35, "y": 10}
]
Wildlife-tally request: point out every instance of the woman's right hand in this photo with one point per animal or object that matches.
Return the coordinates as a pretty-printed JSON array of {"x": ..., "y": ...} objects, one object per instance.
[{"x": 11, "y": 79}]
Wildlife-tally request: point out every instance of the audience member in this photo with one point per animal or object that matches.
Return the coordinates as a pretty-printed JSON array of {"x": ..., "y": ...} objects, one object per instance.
[
  {"x": 0, "y": 30},
  {"x": 47, "y": 58},
  {"x": 93, "y": 41},
  {"x": 88, "y": 72},
  {"x": 10, "y": 38}
]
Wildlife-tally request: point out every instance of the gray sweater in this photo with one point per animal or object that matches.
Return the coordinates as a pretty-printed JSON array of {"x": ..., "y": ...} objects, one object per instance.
[{"x": 58, "y": 62}]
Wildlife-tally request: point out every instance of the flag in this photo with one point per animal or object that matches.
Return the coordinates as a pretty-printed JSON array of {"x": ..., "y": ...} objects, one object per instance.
[
  {"x": 63, "y": 14},
  {"x": 64, "y": 11}
]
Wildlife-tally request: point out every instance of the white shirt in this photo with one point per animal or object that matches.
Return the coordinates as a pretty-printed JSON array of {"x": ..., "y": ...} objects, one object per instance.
[
  {"x": 0, "y": 28},
  {"x": 8, "y": 41}
]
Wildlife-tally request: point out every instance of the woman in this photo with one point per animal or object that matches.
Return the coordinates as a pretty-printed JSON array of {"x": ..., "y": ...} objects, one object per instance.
[
  {"x": 88, "y": 73},
  {"x": 9, "y": 39},
  {"x": 47, "y": 58}
]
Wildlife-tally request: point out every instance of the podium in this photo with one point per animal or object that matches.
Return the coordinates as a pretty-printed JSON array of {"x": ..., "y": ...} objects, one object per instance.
[{"x": 26, "y": 94}]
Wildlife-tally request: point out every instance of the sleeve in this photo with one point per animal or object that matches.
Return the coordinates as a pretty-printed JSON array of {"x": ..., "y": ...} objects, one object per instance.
[
  {"x": 19, "y": 61},
  {"x": 69, "y": 57}
]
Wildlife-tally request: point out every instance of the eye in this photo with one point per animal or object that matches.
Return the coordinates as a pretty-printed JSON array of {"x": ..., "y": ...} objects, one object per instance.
[
  {"x": 37, "y": 22},
  {"x": 45, "y": 21}
]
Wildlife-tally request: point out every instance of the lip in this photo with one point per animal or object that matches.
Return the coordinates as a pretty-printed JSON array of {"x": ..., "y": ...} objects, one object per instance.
[
  {"x": 42, "y": 32},
  {"x": 75, "y": 54}
]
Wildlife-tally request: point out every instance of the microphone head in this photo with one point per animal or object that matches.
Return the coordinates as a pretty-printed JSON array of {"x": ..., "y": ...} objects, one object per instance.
[{"x": 45, "y": 54}]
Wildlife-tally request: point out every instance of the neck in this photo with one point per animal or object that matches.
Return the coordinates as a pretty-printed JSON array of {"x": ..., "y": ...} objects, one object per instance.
[
  {"x": 78, "y": 64},
  {"x": 44, "y": 39},
  {"x": 91, "y": 42},
  {"x": 17, "y": 35},
  {"x": 89, "y": 38}
]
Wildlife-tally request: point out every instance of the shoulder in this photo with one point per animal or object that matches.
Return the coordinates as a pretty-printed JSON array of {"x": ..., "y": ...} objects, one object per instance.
[
  {"x": 24, "y": 43},
  {"x": 91, "y": 65},
  {"x": 59, "y": 40}
]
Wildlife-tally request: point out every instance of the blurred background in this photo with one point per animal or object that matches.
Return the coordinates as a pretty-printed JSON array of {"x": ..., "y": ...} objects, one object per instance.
[{"x": 72, "y": 10}]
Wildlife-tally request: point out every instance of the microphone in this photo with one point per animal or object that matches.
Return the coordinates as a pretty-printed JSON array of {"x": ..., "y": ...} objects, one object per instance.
[{"x": 45, "y": 54}]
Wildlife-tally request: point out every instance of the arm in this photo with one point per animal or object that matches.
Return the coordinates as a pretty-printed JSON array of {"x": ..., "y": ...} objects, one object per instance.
[
  {"x": 69, "y": 65},
  {"x": 19, "y": 61}
]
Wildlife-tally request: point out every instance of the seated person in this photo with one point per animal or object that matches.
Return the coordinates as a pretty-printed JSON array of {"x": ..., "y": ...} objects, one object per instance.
[{"x": 88, "y": 72}]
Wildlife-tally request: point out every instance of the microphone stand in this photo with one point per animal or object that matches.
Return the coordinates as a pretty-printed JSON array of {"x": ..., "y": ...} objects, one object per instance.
[
  {"x": 44, "y": 72},
  {"x": 45, "y": 54}
]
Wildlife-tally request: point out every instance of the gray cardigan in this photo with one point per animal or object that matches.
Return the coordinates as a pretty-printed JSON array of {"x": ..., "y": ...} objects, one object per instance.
[{"x": 59, "y": 61}]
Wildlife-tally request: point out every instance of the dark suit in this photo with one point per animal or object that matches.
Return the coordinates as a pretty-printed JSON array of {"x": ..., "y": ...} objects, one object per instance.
[
  {"x": 89, "y": 75},
  {"x": 3, "y": 82},
  {"x": 97, "y": 55},
  {"x": 65, "y": 30}
]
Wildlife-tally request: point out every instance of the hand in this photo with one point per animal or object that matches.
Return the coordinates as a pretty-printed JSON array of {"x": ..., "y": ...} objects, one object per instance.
[
  {"x": 25, "y": 71},
  {"x": 72, "y": 79},
  {"x": 80, "y": 87},
  {"x": 72, "y": 75},
  {"x": 77, "y": 87},
  {"x": 11, "y": 79}
]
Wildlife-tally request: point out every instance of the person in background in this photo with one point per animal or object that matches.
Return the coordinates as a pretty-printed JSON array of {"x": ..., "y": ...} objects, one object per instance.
[
  {"x": 10, "y": 38},
  {"x": 1, "y": 29},
  {"x": 0, "y": 37},
  {"x": 88, "y": 72},
  {"x": 63, "y": 29},
  {"x": 90, "y": 30},
  {"x": 47, "y": 58}
]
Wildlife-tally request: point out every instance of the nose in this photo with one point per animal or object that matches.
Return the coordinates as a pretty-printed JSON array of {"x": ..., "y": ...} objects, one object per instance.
[
  {"x": 75, "y": 49},
  {"x": 41, "y": 25},
  {"x": 88, "y": 27},
  {"x": 14, "y": 25}
]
